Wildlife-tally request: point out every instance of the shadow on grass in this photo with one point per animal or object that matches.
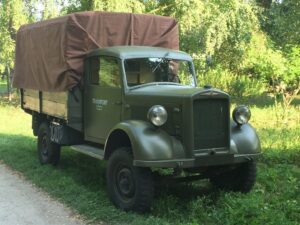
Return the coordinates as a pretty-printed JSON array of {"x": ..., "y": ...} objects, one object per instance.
[
  {"x": 280, "y": 146},
  {"x": 79, "y": 180},
  {"x": 83, "y": 169},
  {"x": 20, "y": 152}
]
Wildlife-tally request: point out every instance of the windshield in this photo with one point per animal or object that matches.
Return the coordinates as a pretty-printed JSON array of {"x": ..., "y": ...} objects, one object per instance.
[{"x": 158, "y": 70}]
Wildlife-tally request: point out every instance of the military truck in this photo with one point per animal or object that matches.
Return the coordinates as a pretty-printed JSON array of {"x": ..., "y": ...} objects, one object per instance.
[{"x": 115, "y": 87}]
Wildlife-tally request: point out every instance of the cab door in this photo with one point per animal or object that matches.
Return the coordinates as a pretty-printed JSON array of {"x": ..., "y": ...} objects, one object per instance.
[{"x": 102, "y": 97}]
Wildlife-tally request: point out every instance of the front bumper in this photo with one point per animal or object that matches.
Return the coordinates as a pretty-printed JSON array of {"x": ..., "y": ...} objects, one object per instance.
[{"x": 209, "y": 160}]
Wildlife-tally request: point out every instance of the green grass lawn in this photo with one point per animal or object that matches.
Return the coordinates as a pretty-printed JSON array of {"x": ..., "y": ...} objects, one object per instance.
[{"x": 79, "y": 181}]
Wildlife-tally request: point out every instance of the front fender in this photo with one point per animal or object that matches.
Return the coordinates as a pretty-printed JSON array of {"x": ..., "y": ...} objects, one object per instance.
[
  {"x": 244, "y": 139},
  {"x": 149, "y": 142}
]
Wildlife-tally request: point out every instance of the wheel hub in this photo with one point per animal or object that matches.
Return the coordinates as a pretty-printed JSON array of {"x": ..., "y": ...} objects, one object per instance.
[{"x": 125, "y": 182}]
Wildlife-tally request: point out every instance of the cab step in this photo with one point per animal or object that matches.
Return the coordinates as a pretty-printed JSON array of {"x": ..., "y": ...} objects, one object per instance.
[{"x": 94, "y": 152}]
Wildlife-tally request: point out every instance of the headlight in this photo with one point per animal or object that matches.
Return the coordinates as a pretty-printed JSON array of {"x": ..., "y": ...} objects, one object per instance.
[
  {"x": 158, "y": 115},
  {"x": 241, "y": 114}
]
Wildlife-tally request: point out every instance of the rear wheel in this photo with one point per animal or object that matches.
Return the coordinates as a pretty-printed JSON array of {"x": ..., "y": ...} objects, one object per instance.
[
  {"x": 48, "y": 151},
  {"x": 240, "y": 179},
  {"x": 129, "y": 187}
]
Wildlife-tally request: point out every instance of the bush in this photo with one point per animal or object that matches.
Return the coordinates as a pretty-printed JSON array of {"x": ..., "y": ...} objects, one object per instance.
[{"x": 235, "y": 85}]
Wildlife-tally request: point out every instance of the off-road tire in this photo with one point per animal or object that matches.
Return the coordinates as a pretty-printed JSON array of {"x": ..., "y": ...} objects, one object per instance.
[
  {"x": 241, "y": 179},
  {"x": 48, "y": 151},
  {"x": 129, "y": 187}
]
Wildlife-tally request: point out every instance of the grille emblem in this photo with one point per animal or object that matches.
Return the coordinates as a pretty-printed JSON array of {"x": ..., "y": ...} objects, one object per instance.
[{"x": 210, "y": 93}]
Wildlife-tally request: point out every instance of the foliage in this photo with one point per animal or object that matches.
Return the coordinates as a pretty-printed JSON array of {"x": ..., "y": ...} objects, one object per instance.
[
  {"x": 293, "y": 64},
  {"x": 280, "y": 71},
  {"x": 218, "y": 30},
  {"x": 11, "y": 18},
  {"x": 241, "y": 38},
  {"x": 262, "y": 62},
  {"x": 271, "y": 65},
  {"x": 41, "y": 9},
  {"x": 281, "y": 21},
  {"x": 235, "y": 85},
  {"x": 133, "y": 6}
]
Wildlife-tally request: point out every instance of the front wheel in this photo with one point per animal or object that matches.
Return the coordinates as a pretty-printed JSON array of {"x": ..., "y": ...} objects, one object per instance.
[
  {"x": 48, "y": 152},
  {"x": 129, "y": 187},
  {"x": 240, "y": 179}
]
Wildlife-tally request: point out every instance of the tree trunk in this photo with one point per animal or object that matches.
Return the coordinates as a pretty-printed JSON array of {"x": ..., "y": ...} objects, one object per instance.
[{"x": 9, "y": 94}]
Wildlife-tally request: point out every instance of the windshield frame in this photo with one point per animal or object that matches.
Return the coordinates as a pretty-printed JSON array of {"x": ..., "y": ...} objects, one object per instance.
[{"x": 190, "y": 64}]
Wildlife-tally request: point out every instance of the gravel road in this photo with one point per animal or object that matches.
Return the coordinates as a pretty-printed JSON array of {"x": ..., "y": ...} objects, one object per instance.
[{"x": 23, "y": 204}]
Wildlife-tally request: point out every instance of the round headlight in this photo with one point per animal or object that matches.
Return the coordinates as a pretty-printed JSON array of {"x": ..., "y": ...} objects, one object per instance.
[
  {"x": 241, "y": 114},
  {"x": 158, "y": 115}
]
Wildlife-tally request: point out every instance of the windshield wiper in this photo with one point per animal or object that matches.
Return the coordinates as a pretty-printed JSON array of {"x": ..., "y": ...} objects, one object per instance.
[{"x": 162, "y": 59}]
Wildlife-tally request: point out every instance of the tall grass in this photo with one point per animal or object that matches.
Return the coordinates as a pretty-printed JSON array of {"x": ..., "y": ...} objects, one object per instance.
[{"x": 79, "y": 180}]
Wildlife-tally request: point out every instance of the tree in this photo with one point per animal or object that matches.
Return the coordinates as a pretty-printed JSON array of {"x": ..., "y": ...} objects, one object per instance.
[
  {"x": 217, "y": 32},
  {"x": 44, "y": 9},
  {"x": 11, "y": 17},
  {"x": 281, "y": 21},
  {"x": 133, "y": 6}
]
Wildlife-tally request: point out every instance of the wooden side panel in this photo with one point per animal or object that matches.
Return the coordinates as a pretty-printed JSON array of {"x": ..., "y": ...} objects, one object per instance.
[
  {"x": 63, "y": 105},
  {"x": 54, "y": 109},
  {"x": 55, "y": 104},
  {"x": 60, "y": 97},
  {"x": 31, "y": 100}
]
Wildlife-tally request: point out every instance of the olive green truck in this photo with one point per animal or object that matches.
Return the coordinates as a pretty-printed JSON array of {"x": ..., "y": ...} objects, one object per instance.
[{"x": 115, "y": 87}]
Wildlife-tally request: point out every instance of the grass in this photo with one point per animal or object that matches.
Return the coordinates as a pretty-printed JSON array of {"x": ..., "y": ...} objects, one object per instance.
[
  {"x": 3, "y": 87},
  {"x": 79, "y": 182}
]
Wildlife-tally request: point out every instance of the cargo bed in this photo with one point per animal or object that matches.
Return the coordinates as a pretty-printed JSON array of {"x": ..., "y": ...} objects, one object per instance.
[{"x": 65, "y": 105}]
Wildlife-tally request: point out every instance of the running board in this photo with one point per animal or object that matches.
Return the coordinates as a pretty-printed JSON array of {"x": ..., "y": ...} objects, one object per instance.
[{"x": 94, "y": 152}]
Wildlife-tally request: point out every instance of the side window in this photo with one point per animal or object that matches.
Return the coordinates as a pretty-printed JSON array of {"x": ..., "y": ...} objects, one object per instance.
[
  {"x": 94, "y": 74},
  {"x": 105, "y": 72}
]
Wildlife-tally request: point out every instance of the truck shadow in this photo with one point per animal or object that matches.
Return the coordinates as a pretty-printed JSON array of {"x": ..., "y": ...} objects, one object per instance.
[
  {"x": 83, "y": 169},
  {"x": 188, "y": 191}
]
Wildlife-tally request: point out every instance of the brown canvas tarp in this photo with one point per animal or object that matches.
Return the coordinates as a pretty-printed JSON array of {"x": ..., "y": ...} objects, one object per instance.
[{"x": 49, "y": 54}]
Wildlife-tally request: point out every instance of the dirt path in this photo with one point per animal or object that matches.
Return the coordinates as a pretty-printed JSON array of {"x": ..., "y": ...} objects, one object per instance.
[{"x": 23, "y": 204}]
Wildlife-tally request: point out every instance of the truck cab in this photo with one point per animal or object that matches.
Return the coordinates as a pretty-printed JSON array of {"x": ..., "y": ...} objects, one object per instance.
[{"x": 135, "y": 90}]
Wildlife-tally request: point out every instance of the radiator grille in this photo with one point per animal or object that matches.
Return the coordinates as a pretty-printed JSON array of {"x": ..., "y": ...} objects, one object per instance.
[{"x": 211, "y": 125}]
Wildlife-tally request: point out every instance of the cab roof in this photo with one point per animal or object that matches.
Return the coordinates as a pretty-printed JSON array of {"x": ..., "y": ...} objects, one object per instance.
[{"x": 127, "y": 52}]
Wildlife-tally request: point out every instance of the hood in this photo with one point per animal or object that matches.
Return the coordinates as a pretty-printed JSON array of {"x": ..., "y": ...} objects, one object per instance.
[{"x": 175, "y": 91}]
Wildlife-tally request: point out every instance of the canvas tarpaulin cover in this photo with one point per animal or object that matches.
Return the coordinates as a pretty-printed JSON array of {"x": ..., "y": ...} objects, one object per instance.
[{"x": 49, "y": 54}]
